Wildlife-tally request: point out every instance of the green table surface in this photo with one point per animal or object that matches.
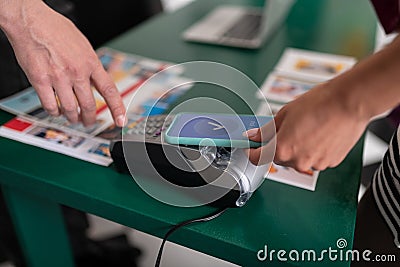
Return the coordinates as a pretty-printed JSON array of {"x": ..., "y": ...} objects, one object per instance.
[{"x": 278, "y": 215}]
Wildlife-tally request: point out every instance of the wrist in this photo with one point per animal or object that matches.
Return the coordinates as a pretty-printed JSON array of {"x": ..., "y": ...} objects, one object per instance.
[
  {"x": 370, "y": 88},
  {"x": 349, "y": 93}
]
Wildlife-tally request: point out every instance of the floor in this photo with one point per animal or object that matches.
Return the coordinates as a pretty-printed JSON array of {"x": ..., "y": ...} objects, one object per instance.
[
  {"x": 177, "y": 256},
  {"x": 173, "y": 255}
]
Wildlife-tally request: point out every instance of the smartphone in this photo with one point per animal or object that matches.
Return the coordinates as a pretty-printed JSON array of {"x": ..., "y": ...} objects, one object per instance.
[{"x": 224, "y": 130}]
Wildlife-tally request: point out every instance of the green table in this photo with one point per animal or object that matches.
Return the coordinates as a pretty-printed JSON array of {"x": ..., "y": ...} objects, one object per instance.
[{"x": 36, "y": 181}]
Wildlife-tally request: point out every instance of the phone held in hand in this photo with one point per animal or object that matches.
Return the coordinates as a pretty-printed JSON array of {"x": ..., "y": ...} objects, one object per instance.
[{"x": 224, "y": 130}]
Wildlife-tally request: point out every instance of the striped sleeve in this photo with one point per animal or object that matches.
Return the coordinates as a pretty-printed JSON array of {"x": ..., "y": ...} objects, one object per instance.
[{"x": 386, "y": 187}]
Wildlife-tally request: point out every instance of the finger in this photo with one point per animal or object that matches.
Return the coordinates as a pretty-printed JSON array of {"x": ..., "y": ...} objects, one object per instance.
[
  {"x": 319, "y": 166},
  {"x": 301, "y": 166},
  {"x": 262, "y": 155},
  {"x": 48, "y": 100},
  {"x": 86, "y": 102},
  {"x": 263, "y": 134},
  {"x": 68, "y": 102},
  {"x": 106, "y": 87}
]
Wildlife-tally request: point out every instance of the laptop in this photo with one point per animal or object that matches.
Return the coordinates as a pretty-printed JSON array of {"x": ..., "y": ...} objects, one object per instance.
[{"x": 240, "y": 26}]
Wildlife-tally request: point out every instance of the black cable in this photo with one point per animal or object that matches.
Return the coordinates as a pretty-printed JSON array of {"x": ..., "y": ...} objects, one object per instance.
[{"x": 176, "y": 227}]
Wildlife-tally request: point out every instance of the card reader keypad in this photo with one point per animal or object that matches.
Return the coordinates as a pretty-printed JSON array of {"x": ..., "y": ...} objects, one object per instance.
[{"x": 151, "y": 127}]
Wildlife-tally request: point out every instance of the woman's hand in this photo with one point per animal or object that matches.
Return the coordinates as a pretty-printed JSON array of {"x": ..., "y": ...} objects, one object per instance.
[{"x": 315, "y": 131}]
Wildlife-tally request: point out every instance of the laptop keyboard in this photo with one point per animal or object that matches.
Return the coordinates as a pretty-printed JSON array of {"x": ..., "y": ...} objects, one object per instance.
[{"x": 247, "y": 27}]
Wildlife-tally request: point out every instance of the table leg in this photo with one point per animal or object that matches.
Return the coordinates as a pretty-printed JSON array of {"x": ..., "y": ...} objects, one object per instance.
[{"x": 40, "y": 228}]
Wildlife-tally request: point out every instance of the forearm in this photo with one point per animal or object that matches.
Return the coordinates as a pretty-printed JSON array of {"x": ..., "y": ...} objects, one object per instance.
[{"x": 372, "y": 86}]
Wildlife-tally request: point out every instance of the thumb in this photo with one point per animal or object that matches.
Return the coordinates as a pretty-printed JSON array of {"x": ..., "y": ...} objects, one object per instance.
[
  {"x": 262, "y": 155},
  {"x": 262, "y": 134}
]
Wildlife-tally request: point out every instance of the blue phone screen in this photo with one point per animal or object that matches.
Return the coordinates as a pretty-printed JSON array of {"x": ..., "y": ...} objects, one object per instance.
[{"x": 215, "y": 126}]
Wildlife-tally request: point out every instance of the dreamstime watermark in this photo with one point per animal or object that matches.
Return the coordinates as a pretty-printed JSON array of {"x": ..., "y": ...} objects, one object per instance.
[{"x": 337, "y": 253}]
